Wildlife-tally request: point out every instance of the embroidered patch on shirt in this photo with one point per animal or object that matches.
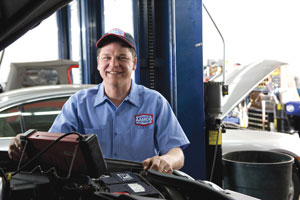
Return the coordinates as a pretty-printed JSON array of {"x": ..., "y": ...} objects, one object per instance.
[{"x": 143, "y": 119}]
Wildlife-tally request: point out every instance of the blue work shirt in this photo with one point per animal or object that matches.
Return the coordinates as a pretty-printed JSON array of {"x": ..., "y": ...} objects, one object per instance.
[{"x": 143, "y": 125}]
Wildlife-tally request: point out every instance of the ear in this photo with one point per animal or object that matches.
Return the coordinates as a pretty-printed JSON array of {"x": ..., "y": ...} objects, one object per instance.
[
  {"x": 98, "y": 62},
  {"x": 134, "y": 63}
]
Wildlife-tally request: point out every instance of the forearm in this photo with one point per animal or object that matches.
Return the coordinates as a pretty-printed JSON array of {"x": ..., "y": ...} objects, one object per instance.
[{"x": 175, "y": 158}]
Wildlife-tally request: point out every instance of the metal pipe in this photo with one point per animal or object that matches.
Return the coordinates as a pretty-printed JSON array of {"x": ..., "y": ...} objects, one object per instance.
[{"x": 224, "y": 80}]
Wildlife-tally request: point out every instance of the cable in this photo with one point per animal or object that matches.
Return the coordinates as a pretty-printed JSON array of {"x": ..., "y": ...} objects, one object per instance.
[
  {"x": 80, "y": 137},
  {"x": 3, "y": 175},
  {"x": 22, "y": 155},
  {"x": 224, "y": 79}
]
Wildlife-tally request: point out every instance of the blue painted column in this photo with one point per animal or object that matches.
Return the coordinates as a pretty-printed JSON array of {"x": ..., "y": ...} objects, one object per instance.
[
  {"x": 155, "y": 36},
  {"x": 63, "y": 23},
  {"x": 190, "y": 87},
  {"x": 168, "y": 34},
  {"x": 92, "y": 27}
]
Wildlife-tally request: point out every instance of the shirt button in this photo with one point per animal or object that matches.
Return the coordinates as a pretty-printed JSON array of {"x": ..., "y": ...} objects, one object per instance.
[
  {"x": 116, "y": 134},
  {"x": 115, "y": 154}
]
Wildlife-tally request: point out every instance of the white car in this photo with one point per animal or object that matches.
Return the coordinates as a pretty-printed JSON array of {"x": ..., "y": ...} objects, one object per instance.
[
  {"x": 31, "y": 108},
  {"x": 36, "y": 108},
  {"x": 241, "y": 82},
  {"x": 255, "y": 140},
  {"x": 246, "y": 139}
]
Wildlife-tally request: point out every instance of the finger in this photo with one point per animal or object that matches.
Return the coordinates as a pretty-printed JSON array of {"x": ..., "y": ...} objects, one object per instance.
[
  {"x": 15, "y": 149},
  {"x": 168, "y": 171},
  {"x": 12, "y": 147},
  {"x": 163, "y": 166},
  {"x": 146, "y": 164},
  {"x": 15, "y": 143},
  {"x": 18, "y": 142},
  {"x": 156, "y": 164},
  {"x": 14, "y": 155}
]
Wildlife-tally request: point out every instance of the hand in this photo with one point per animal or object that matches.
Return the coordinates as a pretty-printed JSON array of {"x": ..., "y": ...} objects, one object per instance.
[
  {"x": 15, "y": 148},
  {"x": 166, "y": 163},
  {"x": 158, "y": 163}
]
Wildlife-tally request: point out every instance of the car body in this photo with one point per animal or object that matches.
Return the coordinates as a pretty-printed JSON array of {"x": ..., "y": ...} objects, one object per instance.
[
  {"x": 241, "y": 83},
  {"x": 47, "y": 101},
  {"x": 41, "y": 104},
  {"x": 246, "y": 139},
  {"x": 32, "y": 108},
  {"x": 36, "y": 108},
  {"x": 256, "y": 140}
]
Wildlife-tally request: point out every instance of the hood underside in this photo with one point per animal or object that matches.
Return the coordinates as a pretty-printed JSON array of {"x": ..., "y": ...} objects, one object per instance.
[
  {"x": 243, "y": 80},
  {"x": 17, "y": 17}
]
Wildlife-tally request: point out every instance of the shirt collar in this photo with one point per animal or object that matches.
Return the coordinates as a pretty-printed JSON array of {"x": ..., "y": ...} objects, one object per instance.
[
  {"x": 101, "y": 97},
  {"x": 133, "y": 96}
]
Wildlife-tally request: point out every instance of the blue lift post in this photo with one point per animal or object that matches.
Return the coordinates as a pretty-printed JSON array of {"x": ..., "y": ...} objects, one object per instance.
[
  {"x": 190, "y": 87},
  {"x": 169, "y": 36},
  {"x": 156, "y": 47},
  {"x": 92, "y": 25},
  {"x": 63, "y": 23}
]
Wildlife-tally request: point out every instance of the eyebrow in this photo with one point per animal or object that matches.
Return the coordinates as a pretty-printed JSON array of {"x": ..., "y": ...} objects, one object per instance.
[
  {"x": 108, "y": 54},
  {"x": 105, "y": 54}
]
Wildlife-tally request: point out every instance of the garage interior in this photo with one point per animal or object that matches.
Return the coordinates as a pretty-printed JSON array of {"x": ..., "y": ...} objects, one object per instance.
[{"x": 208, "y": 103}]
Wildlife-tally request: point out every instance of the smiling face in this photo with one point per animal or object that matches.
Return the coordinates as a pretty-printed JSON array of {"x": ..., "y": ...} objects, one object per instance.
[{"x": 115, "y": 64}]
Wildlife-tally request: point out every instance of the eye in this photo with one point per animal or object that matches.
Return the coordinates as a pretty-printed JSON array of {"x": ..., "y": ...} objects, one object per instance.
[
  {"x": 105, "y": 58},
  {"x": 123, "y": 58}
]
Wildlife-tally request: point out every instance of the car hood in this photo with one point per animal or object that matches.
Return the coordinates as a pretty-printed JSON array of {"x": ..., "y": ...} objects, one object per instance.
[
  {"x": 245, "y": 139},
  {"x": 243, "y": 80},
  {"x": 17, "y": 17}
]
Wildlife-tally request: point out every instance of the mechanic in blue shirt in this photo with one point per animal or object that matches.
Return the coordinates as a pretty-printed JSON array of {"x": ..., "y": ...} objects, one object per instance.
[{"x": 131, "y": 121}]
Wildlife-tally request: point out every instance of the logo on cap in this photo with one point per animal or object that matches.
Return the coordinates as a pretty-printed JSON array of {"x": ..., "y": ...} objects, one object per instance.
[
  {"x": 117, "y": 31},
  {"x": 143, "y": 119}
]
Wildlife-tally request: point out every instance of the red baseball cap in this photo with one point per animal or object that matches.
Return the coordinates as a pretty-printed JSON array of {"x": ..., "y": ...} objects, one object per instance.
[{"x": 117, "y": 33}]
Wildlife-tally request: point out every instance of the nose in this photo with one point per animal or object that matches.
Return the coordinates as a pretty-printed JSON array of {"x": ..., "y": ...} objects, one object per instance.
[{"x": 114, "y": 62}]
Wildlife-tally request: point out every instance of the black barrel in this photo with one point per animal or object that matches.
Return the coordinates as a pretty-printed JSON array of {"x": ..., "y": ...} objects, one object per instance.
[{"x": 262, "y": 174}]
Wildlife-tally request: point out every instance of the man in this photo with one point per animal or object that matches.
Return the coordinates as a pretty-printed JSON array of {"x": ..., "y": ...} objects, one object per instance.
[{"x": 131, "y": 121}]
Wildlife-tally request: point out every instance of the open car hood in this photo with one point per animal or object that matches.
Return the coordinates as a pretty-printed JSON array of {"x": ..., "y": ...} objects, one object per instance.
[
  {"x": 17, "y": 17},
  {"x": 243, "y": 80}
]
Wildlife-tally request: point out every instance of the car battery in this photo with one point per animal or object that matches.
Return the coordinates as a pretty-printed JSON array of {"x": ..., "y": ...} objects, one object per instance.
[{"x": 128, "y": 183}]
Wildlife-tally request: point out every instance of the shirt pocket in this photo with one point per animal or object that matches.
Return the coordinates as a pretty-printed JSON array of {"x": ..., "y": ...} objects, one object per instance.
[
  {"x": 143, "y": 142},
  {"x": 102, "y": 137}
]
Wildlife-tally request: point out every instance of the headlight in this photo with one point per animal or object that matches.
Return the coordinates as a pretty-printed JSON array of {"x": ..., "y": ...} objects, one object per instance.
[{"x": 290, "y": 108}]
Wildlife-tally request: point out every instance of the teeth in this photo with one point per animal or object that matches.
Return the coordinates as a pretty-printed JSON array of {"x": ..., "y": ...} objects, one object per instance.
[{"x": 113, "y": 72}]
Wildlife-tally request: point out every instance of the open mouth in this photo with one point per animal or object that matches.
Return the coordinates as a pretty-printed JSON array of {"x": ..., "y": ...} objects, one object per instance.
[{"x": 114, "y": 73}]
